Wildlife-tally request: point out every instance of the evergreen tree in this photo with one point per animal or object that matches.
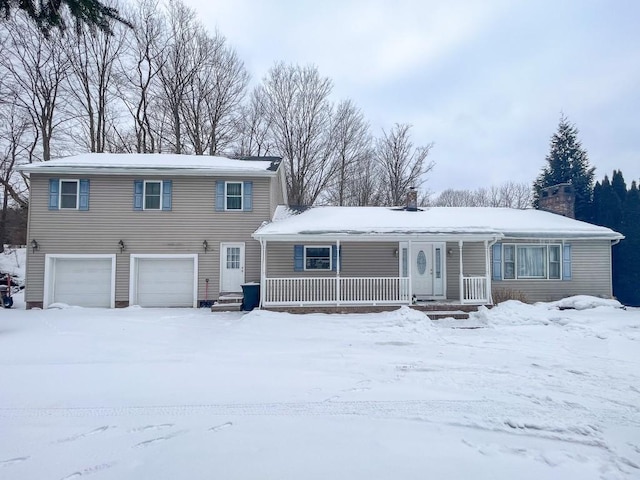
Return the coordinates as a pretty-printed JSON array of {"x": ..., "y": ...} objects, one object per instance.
[
  {"x": 619, "y": 185},
  {"x": 607, "y": 207},
  {"x": 49, "y": 14},
  {"x": 627, "y": 274},
  {"x": 567, "y": 162}
]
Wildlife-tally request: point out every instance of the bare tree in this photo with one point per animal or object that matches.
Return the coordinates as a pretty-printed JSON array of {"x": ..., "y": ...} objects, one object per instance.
[
  {"x": 36, "y": 70},
  {"x": 181, "y": 60},
  {"x": 509, "y": 194},
  {"x": 213, "y": 102},
  {"x": 402, "y": 165},
  {"x": 353, "y": 146},
  {"x": 93, "y": 57},
  {"x": 299, "y": 111},
  {"x": 138, "y": 70},
  {"x": 254, "y": 126},
  {"x": 365, "y": 188}
]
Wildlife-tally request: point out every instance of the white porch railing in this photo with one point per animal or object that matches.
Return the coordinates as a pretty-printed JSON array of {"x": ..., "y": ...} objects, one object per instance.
[
  {"x": 336, "y": 291},
  {"x": 474, "y": 290}
]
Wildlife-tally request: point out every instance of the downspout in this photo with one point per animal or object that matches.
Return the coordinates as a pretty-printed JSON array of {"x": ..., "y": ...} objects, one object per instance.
[
  {"x": 263, "y": 264},
  {"x": 338, "y": 272}
]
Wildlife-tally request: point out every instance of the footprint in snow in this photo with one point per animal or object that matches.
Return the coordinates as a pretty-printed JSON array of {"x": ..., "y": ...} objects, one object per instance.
[
  {"x": 12, "y": 461},
  {"x": 153, "y": 441},
  {"x": 151, "y": 427},
  {"x": 89, "y": 470},
  {"x": 217, "y": 428},
  {"x": 82, "y": 435}
]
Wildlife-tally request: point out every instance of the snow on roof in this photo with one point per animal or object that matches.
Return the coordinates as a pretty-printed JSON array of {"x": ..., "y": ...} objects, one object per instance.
[
  {"x": 443, "y": 221},
  {"x": 127, "y": 162}
]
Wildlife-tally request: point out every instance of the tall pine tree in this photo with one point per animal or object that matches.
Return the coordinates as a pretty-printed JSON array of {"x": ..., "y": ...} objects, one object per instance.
[
  {"x": 627, "y": 277},
  {"x": 567, "y": 162}
]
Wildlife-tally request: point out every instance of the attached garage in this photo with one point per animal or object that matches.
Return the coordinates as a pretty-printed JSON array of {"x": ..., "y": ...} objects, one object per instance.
[
  {"x": 82, "y": 280},
  {"x": 163, "y": 280}
]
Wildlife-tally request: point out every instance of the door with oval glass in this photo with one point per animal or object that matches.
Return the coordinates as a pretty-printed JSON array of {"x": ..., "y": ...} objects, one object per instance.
[{"x": 427, "y": 270}]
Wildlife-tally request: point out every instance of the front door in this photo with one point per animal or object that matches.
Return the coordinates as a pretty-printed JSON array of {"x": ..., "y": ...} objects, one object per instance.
[
  {"x": 427, "y": 270},
  {"x": 231, "y": 267}
]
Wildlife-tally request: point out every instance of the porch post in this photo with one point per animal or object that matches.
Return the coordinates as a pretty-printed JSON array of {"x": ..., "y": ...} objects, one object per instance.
[
  {"x": 487, "y": 272},
  {"x": 263, "y": 271},
  {"x": 461, "y": 280},
  {"x": 409, "y": 272},
  {"x": 338, "y": 272}
]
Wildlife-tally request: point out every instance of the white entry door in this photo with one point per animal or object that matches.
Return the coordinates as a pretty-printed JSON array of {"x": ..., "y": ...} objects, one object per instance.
[
  {"x": 231, "y": 267},
  {"x": 427, "y": 269}
]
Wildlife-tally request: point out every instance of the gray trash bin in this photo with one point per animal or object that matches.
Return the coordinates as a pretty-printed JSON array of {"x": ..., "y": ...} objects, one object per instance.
[{"x": 250, "y": 296}]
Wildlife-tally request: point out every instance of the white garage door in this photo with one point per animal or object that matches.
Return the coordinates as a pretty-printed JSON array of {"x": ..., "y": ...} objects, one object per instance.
[
  {"x": 85, "y": 282},
  {"x": 165, "y": 282}
]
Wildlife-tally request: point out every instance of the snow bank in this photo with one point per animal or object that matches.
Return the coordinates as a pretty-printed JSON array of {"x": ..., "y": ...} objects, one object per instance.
[
  {"x": 12, "y": 261},
  {"x": 584, "y": 302}
]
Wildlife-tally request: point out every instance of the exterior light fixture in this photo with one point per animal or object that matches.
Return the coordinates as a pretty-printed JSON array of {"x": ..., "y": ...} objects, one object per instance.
[
  {"x": 34, "y": 245},
  {"x": 395, "y": 253},
  {"x": 205, "y": 246},
  {"x": 121, "y": 245}
]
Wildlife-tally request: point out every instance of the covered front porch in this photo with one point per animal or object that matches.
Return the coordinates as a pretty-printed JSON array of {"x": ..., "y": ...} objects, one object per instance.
[{"x": 313, "y": 272}]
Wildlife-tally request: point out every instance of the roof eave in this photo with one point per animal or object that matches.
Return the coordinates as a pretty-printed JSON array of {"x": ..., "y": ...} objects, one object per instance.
[{"x": 187, "y": 172}]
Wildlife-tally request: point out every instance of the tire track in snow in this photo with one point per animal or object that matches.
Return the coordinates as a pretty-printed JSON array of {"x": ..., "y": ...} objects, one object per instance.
[{"x": 432, "y": 410}]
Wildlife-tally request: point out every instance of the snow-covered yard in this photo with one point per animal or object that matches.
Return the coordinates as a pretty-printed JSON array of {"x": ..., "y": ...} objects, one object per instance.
[{"x": 536, "y": 393}]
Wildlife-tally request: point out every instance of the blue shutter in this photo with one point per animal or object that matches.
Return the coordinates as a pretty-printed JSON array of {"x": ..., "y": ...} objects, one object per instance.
[
  {"x": 166, "y": 194},
  {"x": 138, "y": 187},
  {"x": 247, "y": 193},
  {"x": 566, "y": 262},
  {"x": 83, "y": 198},
  {"x": 220, "y": 196},
  {"x": 334, "y": 257},
  {"x": 298, "y": 258},
  {"x": 497, "y": 261},
  {"x": 54, "y": 186}
]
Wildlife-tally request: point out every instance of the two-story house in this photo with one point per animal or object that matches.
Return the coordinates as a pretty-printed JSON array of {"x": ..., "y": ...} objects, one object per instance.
[{"x": 112, "y": 230}]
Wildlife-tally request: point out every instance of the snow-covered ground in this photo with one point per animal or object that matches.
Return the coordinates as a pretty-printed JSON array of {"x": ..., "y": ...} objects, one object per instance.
[{"x": 535, "y": 393}]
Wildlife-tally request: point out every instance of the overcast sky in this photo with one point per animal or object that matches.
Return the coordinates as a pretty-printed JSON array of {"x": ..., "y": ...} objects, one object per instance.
[{"x": 484, "y": 80}]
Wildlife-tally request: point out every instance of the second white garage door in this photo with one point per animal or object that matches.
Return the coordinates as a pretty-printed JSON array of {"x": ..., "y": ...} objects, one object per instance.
[{"x": 164, "y": 282}]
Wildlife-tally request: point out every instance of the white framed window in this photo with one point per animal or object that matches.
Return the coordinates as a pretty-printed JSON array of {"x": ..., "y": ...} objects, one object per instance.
[
  {"x": 522, "y": 261},
  {"x": 152, "y": 195},
  {"x": 233, "y": 195},
  {"x": 317, "y": 258},
  {"x": 69, "y": 194}
]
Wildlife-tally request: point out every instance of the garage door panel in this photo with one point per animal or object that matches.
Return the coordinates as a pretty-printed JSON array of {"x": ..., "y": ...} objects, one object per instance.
[
  {"x": 165, "y": 282},
  {"x": 84, "y": 282}
]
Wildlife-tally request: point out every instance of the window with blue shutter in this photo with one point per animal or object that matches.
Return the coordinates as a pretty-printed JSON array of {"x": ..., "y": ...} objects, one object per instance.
[
  {"x": 497, "y": 261},
  {"x": 83, "y": 200},
  {"x": 54, "y": 192},
  {"x": 247, "y": 192},
  {"x": 220, "y": 196},
  {"x": 166, "y": 194},
  {"x": 138, "y": 193},
  {"x": 298, "y": 258},
  {"x": 566, "y": 261}
]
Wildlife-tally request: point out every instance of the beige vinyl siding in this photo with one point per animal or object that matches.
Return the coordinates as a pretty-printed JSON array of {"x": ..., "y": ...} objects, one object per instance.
[
  {"x": 590, "y": 268},
  {"x": 276, "y": 194},
  {"x": 111, "y": 218},
  {"x": 473, "y": 258},
  {"x": 360, "y": 259}
]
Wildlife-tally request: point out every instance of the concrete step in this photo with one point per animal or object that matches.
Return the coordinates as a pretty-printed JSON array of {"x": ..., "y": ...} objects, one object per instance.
[
  {"x": 439, "y": 314},
  {"x": 230, "y": 298},
  {"x": 226, "y": 307}
]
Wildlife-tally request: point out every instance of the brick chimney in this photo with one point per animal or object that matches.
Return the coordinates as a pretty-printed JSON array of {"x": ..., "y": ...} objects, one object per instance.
[
  {"x": 412, "y": 200},
  {"x": 560, "y": 199}
]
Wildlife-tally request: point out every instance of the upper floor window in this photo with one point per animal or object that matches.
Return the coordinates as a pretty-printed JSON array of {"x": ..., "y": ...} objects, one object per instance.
[
  {"x": 152, "y": 195},
  {"x": 68, "y": 194},
  {"x": 233, "y": 195}
]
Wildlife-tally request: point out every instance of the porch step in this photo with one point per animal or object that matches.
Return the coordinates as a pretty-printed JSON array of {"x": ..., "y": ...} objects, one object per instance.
[{"x": 226, "y": 307}]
